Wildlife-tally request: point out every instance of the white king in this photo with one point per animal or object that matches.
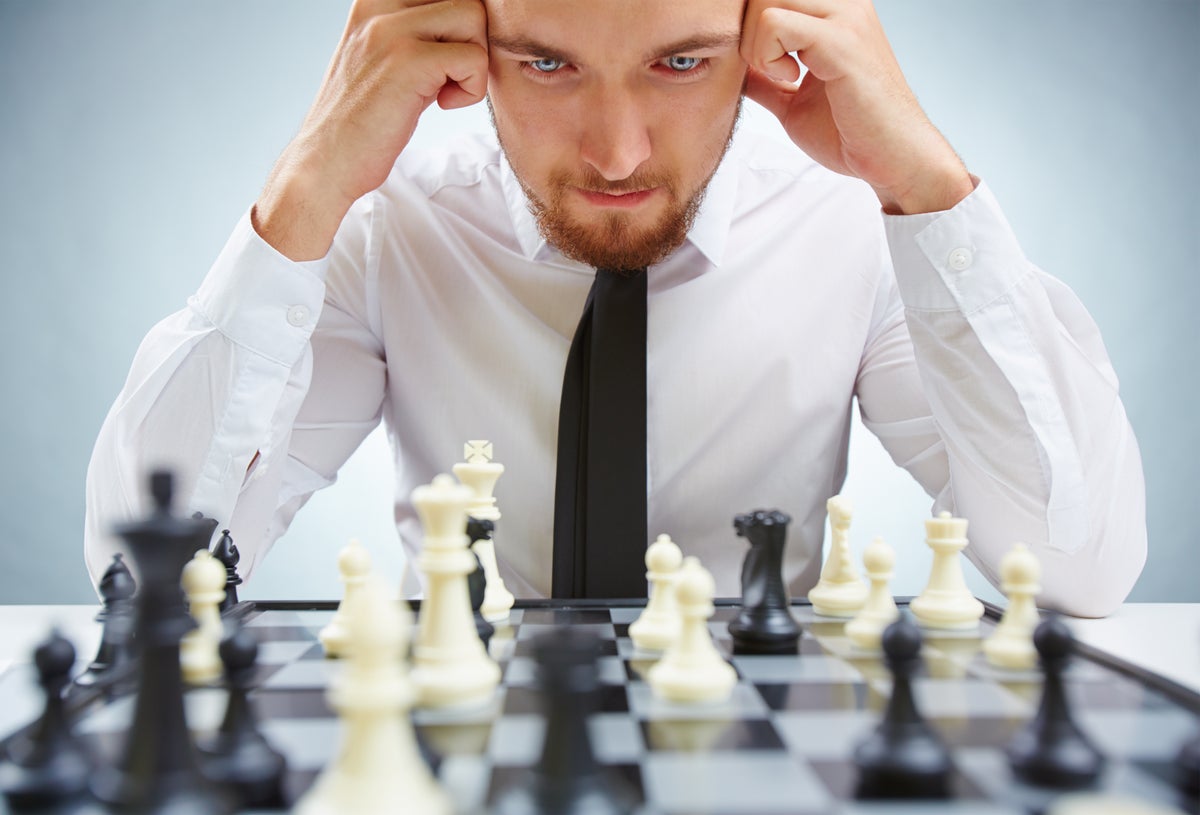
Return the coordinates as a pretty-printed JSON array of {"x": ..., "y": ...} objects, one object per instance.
[{"x": 480, "y": 473}]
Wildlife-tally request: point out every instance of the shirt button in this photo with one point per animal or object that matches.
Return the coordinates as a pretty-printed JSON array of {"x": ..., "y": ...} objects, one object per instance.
[
  {"x": 298, "y": 316},
  {"x": 960, "y": 259}
]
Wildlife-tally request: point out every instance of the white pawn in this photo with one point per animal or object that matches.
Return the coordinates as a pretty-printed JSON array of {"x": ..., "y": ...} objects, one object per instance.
[
  {"x": 880, "y": 611},
  {"x": 378, "y": 763},
  {"x": 354, "y": 564},
  {"x": 660, "y": 622},
  {"x": 840, "y": 592},
  {"x": 480, "y": 473},
  {"x": 946, "y": 603},
  {"x": 692, "y": 670},
  {"x": 203, "y": 582},
  {"x": 450, "y": 665},
  {"x": 1011, "y": 644}
]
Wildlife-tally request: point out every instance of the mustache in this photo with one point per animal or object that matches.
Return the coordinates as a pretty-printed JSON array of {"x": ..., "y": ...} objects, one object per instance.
[{"x": 590, "y": 180}]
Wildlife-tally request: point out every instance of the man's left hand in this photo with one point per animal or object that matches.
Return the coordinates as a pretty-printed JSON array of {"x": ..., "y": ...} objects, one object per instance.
[{"x": 853, "y": 111}]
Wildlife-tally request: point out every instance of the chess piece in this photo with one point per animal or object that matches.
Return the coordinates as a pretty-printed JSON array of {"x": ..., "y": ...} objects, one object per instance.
[
  {"x": 659, "y": 623},
  {"x": 765, "y": 624},
  {"x": 946, "y": 603},
  {"x": 46, "y": 763},
  {"x": 1187, "y": 763},
  {"x": 567, "y": 779},
  {"x": 227, "y": 553},
  {"x": 1108, "y": 803},
  {"x": 477, "y": 586},
  {"x": 158, "y": 772},
  {"x": 239, "y": 756},
  {"x": 866, "y": 629},
  {"x": 354, "y": 563},
  {"x": 114, "y": 661},
  {"x": 692, "y": 670},
  {"x": 210, "y": 525},
  {"x": 1052, "y": 751},
  {"x": 450, "y": 665},
  {"x": 903, "y": 757},
  {"x": 480, "y": 473},
  {"x": 378, "y": 769},
  {"x": 204, "y": 585},
  {"x": 840, "y": 592},
  {"x": 1011, "y": 645}
]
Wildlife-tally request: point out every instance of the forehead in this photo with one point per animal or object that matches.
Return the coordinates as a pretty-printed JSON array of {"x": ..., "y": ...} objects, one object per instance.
[{"x": 612, "y": 27}]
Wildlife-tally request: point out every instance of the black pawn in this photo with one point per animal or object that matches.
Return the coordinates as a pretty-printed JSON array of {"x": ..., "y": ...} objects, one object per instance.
[
  {"x": 567, "y": 780},
  {"x": 115, "y": 658},
  {"x": 765, "y": 624},
  {"x": 46, "y": 763},
  {"x": 238, "y": 755},
  {"x": 477, "y": 579},
  {"x": 1052, "y": 751},
  {"x": 904, "y": 757},
  {"x": 159, "y": 770},
  {"x": 227, "y": 553}
]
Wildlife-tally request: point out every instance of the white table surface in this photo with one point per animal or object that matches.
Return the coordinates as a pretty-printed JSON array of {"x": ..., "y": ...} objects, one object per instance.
[{"x": 1163, "y": 638}]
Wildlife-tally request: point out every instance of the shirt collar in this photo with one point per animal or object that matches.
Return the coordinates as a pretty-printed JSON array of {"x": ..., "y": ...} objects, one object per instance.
[{"x": 709, "y": 232}]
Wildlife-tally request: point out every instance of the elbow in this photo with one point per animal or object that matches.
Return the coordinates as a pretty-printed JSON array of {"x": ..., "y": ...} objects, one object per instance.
[{"x": 1095, "y": 580}]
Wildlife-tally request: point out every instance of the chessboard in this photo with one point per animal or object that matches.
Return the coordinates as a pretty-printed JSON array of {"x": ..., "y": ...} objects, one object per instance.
[{"x": 782, "y": 743}]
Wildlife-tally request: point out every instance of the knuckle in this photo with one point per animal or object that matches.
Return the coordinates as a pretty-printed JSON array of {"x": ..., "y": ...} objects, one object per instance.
[{"x": 373, "y": 34}]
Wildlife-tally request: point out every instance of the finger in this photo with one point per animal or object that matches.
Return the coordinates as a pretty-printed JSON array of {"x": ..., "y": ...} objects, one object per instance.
[
  {"x": 363, "y": 10},
  {"x": 813, "y": 8},
  {"x": 446, "y": 65},
  {"x": 446, "y": 21},
  {"x": 467, "y": 77},
  {"x": 770, "y": 93},
  {"x": 769, "y": 40}
]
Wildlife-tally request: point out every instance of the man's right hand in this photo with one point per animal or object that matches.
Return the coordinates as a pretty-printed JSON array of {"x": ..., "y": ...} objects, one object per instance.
[{"x": 394, "y": 59}]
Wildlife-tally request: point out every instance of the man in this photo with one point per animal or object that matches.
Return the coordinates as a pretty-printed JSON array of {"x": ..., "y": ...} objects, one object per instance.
[{"x": 441, "y": 293}]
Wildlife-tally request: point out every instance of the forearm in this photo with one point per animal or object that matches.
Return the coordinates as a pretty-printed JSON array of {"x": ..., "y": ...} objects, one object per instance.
[
  {"x": 1037, "y": 444},
  {"x": 205, "y": 390}
]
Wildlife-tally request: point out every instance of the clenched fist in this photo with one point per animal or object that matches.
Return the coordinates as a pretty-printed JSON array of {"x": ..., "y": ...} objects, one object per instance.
[
  {"x": 394, "y": 59},
  {"x": 853, "y": 111}
]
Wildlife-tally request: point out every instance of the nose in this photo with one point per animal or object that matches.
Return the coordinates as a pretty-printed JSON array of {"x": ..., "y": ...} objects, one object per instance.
[{"x": 616, "y": 137}]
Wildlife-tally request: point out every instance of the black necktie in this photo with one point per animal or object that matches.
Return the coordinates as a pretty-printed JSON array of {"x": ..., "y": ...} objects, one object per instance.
[{"x": 600, "y": 491}]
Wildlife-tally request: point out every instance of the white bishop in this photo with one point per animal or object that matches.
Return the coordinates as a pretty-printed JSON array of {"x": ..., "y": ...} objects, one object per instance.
[{"x": 840, "y": 592}]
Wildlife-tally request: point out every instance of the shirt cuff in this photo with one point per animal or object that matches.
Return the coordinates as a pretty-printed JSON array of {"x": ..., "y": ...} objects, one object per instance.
[
  {"x": 260, "y": 299},
  {"x": 961, "y": 259}
]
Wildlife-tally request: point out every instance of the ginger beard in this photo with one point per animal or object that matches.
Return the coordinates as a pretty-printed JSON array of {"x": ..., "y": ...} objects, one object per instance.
[{"x": 617, "y": 240}]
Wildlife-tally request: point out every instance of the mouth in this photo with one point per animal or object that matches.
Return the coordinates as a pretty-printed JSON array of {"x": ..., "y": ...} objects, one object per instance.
[{"x": 620, "y": 200}]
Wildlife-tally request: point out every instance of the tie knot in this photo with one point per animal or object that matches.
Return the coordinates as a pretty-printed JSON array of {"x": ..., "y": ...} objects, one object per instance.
[{"x": 621, "y": 274}]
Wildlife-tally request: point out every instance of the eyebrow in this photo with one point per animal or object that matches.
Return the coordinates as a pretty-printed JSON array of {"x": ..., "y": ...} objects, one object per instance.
[{"x": 527, "y": 46}]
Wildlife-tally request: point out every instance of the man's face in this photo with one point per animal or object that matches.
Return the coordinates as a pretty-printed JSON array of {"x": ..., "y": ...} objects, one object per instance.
[{"x": 614, "y": 114}]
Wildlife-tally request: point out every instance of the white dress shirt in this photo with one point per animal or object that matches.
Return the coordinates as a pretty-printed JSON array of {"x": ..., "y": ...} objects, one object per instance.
[{"x": 442, "y": 311}]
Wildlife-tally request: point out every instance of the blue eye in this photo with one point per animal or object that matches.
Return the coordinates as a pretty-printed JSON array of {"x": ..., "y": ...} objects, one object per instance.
[
  {"x": 546, "y": 65},
  {"x": 682, "y": 64}
]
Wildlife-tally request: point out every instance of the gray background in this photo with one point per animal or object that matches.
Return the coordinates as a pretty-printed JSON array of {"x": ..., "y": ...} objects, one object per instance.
[{"x": 134, "y": 134}]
